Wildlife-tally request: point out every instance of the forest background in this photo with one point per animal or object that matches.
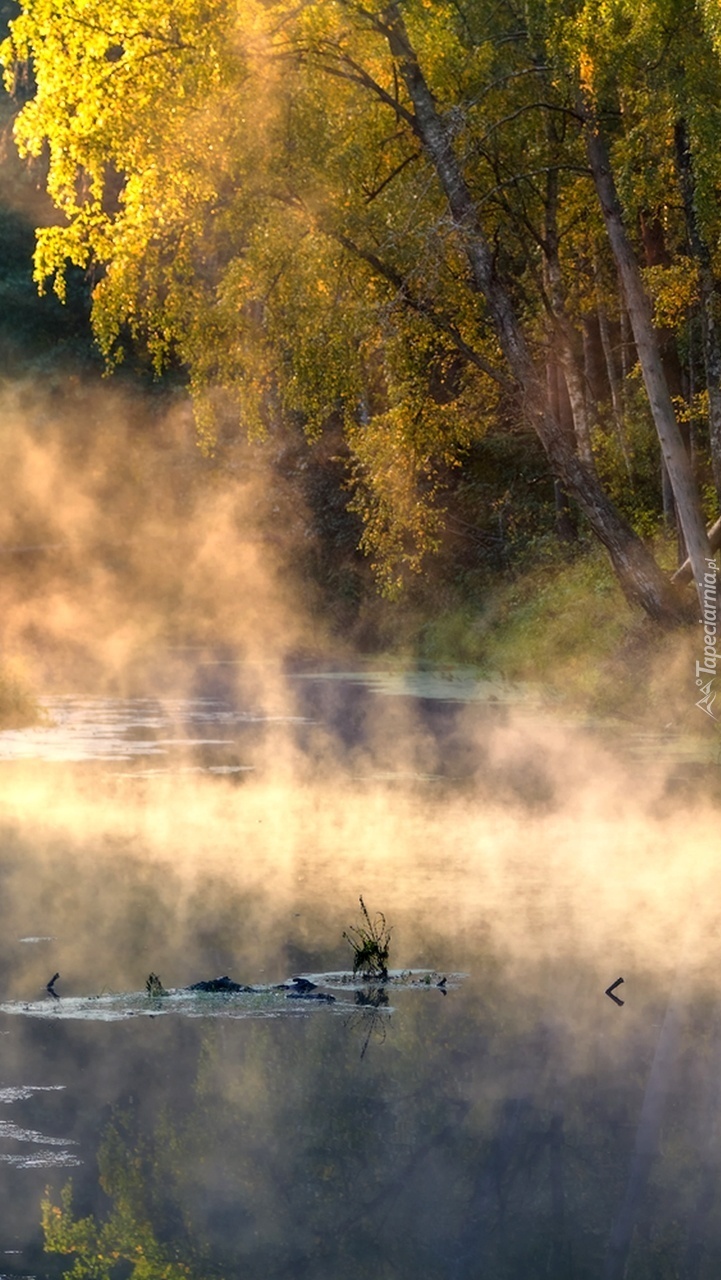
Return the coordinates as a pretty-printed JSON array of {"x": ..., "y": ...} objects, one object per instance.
[{"x": 450, "y": 269}]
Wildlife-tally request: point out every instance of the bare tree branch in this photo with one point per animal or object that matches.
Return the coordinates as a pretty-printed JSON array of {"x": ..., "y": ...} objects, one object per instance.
[
  {"x": 425, "y": 308},
  {"x": 371, "y": 196}
]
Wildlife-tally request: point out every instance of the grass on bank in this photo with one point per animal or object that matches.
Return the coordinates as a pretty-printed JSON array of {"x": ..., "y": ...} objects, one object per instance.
[{"x": 564, "y": 625}]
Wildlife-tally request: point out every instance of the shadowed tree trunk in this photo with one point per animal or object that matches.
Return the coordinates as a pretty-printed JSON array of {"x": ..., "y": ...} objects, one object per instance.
[
  {"x": 668, "y": 504},
  {"x": 657, "y": 255},
  {"x": 626, "y": 358},
  {"x": 594, "y": 364},
  {"x": 707, "y": 286},
  {"x": 566, "y": 528},
  {"x": 604, "y": 331},
  {"x": 565, "y": 334}
]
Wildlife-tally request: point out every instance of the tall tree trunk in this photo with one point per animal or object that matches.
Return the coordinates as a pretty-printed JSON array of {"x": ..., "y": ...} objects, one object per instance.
[
  {"x": 616, "y": 393},
  {"x": 565, "y": 335},
  {"x": 566, "y": 528},
  {"x": 579, "y": 404},
  {"x": 707, "y": 285},
  {"x": 625, "y": 345},
  {"x": 657, "y": 255},
  {"x": 669, "y": 506},
  {"x": 604, "y": 332},
  {"x": 641, "y": 579},
  {"x": 594, "y": 365},
  {"x": 685, "y": 490}
]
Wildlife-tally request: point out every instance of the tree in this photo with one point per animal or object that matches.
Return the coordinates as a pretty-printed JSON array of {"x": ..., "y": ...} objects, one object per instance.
[
  {"x": 602, "y": 64},
  {"x": 307, "y": 207},
  {"x": 639, "y": 309}
]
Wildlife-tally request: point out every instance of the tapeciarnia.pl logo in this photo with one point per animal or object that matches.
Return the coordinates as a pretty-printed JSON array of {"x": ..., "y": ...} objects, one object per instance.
[{"x": 710, "y": 656}]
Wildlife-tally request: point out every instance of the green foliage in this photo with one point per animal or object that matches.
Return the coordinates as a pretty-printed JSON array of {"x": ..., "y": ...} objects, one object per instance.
[
  {"x": 252, "y": 218},
  {"x": 125, "y": 1237},
  {"x": 557, "y": 625},
  {"x": 245, "y": 185},
  {"x": 673, "y": 289},
  {"x": 456, "y": 635},
  {"x": 370, "y": 942},
  {"x": 635, "y": 445}
]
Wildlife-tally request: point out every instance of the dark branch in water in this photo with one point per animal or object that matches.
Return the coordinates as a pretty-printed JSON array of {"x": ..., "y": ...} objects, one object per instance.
[{"x": 610, "y": 990}]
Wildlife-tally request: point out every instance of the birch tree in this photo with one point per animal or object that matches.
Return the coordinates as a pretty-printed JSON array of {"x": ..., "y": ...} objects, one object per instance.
[{"x": 296, "y": 204}]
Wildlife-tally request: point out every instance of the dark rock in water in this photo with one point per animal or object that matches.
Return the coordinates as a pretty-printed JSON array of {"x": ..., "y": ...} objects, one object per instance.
[
  {"x": 304, "y": 984},
  {"x": 297, "y": 989},
  {"x": 304, "y": 989},
  {"x": 222, "y": 985},
  {"x": 301, "y": 986}
]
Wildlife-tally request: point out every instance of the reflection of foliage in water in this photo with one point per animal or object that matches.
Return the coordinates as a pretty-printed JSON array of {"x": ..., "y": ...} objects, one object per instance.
[
  {"x": 128, "y": 1236},
  {"x": 495, "y": 1146},
  {"x": 372, "y": 1002},
  {"x": 372, "y": 998}
]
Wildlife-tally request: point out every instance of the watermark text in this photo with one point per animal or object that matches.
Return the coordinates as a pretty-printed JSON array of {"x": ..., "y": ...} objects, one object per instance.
[{"x": 706, "y": 670}]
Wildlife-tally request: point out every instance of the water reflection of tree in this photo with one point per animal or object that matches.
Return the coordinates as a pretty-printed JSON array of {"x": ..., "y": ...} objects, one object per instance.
[
  {"x": 370, "y": 1016},
  {"x": 292, "y": 1158},
  {"x": 460, "y": 1149},
  {"x": 128, "y": 1241}
]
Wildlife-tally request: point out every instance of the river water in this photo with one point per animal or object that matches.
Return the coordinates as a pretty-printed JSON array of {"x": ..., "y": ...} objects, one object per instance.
[{"x": 511, "y": 1121}]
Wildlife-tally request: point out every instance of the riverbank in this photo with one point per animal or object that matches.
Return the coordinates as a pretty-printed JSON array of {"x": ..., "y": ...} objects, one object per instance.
[
  {"x": 565, "y": 627},
  {"x": 561, "y": 630}
]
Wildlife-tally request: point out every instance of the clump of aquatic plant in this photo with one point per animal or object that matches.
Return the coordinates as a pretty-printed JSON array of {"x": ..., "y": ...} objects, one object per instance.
[
  {"x": 154, "y": 986},
  {"x": 370, "y": 941}
]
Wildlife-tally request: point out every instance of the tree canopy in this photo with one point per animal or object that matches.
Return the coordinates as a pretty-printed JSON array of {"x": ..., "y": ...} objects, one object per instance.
[{"x": 391, "y": 216}]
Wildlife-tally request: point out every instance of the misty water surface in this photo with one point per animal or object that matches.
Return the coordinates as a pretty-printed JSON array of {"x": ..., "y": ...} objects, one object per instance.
[{"x": 519, "y": 1124}]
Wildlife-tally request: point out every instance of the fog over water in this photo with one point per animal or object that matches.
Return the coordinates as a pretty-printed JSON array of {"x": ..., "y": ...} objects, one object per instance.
[{"x": 205, "y": 799}]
